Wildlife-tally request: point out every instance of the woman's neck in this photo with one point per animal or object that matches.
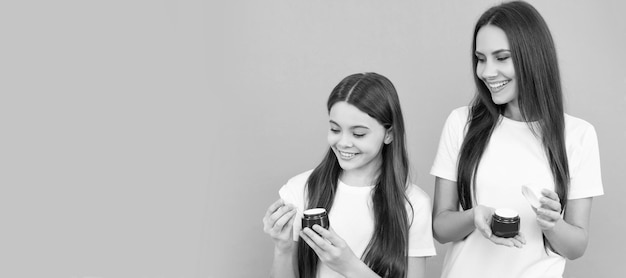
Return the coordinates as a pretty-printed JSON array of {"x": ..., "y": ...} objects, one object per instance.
[{"x": 513, "y": 112}]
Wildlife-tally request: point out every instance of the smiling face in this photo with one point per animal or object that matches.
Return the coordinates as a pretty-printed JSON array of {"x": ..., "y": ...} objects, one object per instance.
[
  {"x": 495, "y": 67},
  {"x": 356, "y": 139}
]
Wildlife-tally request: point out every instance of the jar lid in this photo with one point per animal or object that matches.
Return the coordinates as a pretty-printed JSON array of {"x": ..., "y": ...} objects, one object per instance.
[
  {"x": 506, "y": 212},
  {"x": 314, "y": 211}
]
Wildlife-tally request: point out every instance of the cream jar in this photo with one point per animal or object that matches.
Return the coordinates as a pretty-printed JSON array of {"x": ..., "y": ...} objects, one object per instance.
[
  {"x": 314, "y": 216},
  {"x": 505, "y": 223}
]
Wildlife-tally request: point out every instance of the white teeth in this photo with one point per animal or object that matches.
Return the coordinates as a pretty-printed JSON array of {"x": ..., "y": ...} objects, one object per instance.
[
  {"x": 497, "y": 85},
  {"x": 346, "y": 155}
]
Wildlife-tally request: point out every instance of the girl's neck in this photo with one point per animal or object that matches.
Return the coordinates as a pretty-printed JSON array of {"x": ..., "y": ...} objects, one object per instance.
[{"x": 359, "y": 177}]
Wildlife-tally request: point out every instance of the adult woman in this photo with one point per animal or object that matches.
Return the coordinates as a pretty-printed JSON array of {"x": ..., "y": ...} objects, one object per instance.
[{"x": 514, "y": 134}]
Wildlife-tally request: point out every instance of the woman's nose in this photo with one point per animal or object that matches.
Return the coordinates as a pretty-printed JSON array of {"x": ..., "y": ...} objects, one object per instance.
[{"x": 489, "y": 70}]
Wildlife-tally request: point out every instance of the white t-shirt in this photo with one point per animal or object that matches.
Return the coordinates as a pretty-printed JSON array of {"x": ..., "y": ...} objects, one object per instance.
[
  {"x": 515, "y": 157},
  {"x": 352, "y": 217}
]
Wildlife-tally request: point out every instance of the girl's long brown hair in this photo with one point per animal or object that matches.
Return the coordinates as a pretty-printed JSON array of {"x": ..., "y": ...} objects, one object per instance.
[{"x": 386, "y": 253}]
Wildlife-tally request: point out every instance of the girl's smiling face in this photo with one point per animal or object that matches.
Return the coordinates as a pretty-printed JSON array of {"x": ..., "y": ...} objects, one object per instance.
[
  {"x": 495, "y": 66},
  {"x": 356, "y": 139}
]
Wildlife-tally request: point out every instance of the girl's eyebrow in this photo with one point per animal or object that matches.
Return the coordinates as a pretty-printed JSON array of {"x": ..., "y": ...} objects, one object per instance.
[{"x": 352, "y": 127}]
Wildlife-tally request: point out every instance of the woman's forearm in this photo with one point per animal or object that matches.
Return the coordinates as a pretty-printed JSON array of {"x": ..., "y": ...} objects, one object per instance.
[
  {"x": 568, "y": 240},
  {"x": 451, "y": 226},
  {"x": 568, "y": 236}
]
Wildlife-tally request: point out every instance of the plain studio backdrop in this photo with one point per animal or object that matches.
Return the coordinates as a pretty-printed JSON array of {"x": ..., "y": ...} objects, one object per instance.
[{"x": 147, "y": 138}]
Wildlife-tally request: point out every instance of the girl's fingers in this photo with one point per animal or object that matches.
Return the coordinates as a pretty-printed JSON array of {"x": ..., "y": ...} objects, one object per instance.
[
  {"x": 275, "y": 213},
  {"x": 328, "y": 235},
  {"x": 290, "y": 223},
  {"x": 273, "y": 207},
  {"x": 319, "y": 241},
  {"x": 306, "y": 234},
  {"x": 307, "y": 239},
  {"x": 284, "y": 219},
  {"x": 267, "y": 221}
]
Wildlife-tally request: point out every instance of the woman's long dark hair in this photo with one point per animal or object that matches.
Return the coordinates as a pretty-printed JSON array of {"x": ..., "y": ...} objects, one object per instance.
[
  {"x": 386, "y": 253},
  {"x": 540, "y": 97}
]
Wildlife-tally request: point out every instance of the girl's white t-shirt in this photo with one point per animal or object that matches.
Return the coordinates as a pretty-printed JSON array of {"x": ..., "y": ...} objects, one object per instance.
[
  {"x": 352, "y": 218},
  {"x": 515, "y": 157}
]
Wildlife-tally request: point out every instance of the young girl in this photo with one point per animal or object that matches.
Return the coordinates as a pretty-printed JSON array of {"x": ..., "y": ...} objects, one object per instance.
[
  {"x": 514, "y": 134},
  {"x": 380, "y": 223}
]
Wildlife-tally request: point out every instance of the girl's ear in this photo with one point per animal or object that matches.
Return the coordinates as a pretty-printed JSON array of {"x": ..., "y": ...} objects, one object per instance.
[{"x": 388, "y": 136}]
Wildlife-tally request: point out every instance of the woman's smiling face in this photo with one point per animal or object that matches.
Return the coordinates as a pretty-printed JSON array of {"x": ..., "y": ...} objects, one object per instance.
[
  {"x": 356, "y": 138},
  {"x": 495, "y": 65}
]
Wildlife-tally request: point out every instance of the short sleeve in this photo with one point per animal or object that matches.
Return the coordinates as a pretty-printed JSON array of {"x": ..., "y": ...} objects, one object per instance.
[
  {"x": 445, "y": 163},
  {"x": 584, "y": 162},
  {"x": 421, "y": 242},
  {"x": 293, "y": 193}
]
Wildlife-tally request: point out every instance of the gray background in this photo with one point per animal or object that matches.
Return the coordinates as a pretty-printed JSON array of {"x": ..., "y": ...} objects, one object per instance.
[{"x": 146, "y": 139}]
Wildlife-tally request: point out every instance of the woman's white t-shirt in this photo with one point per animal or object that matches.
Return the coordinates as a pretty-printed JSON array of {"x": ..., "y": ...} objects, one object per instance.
[
  {"x": 352, "y": 218},
  {"x": 514, "y": 157}
]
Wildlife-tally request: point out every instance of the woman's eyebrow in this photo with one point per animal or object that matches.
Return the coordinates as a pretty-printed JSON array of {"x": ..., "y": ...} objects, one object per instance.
[
  {"x": 500, "y": 51},
  {"x": 478, "y": 53}
]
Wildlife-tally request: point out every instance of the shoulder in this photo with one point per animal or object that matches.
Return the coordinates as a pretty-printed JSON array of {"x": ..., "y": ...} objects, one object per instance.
[
  {"x": 420, "y": 211},
  {"x": 297, "y": 182},
  {"x": 293, "y": 191},
  {"x": 456, "y": 123},
  {"x": 417, "y": 196},
  {"x": 460, "y": 114},
  {"x": 577, "y": 129},
  {"x": 300, "y": 178},
  {"x": 458, "y": 117}
]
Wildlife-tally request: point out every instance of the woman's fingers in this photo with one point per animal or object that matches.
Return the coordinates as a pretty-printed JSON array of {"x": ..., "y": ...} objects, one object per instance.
[
  {"x": 484, "y": 228},
  {"x": 550, "y": 200},
  {"x": 518, "y": 242},
  {"x": 482, "y": 216},
  {"x": 547, "y": 214},
  {"x": 501, "y": 241},
  {"x": 520, "y": 237},
  {"x": 550, "y": 194}
]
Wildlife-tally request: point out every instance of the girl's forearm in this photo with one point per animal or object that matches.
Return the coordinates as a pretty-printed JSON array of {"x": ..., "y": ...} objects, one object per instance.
[
  {"x": 451, "y": 226},
  {"x": 361, "y": 270},
  {"x": 284, "y": 265}
]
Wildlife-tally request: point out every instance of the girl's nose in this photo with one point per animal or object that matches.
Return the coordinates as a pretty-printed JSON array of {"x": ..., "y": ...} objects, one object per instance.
[{"x": 345, "y": 142}]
